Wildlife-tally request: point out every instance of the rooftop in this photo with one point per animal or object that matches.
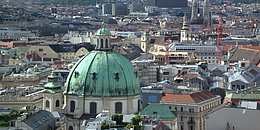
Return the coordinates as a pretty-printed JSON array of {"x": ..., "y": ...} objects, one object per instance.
[
  {"x": 162, "y": 111},
  {"x": 240, "y": 119},
  {"x": 189, "y": 98}
]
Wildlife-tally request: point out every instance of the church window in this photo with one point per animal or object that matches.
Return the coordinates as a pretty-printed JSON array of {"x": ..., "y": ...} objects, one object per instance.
[
  {"x": 139, "y": 104},
  {"x": 72, "y": 106},
  {"x": 93, "y": 108},
  {"x": 70, "y": 128},
  {"x": 106, "y": 43},
  {"x": 47, "y": 103},
  {"x": 118, "y": 108},
  {"x": 101, "y": 44},
  {"x": 57, "y": 103}
]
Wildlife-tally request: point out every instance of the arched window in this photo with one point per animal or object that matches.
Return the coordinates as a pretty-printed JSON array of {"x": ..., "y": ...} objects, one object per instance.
[
  {"x": 47, "y": 103},
  {"x": 106, "y": 43},
  {"x": 70, "y": 128},
  {"x": 72, "y": 106},
  {"x": 101, "y": 43},
  {"x": 93, "y": 108},
  {"x": 57, "y": 103},
  {"x": 139, "y": 104},
  {"x": 118, "y": 108}
]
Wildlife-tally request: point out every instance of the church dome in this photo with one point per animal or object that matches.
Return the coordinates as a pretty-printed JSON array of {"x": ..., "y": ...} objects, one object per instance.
[{"x": 103, "y": 74}]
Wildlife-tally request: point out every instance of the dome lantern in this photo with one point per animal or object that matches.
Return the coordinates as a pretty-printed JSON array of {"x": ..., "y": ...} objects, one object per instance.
[
  {"x": 53, "y": 83},
  {"x": 103, "y": 39}
]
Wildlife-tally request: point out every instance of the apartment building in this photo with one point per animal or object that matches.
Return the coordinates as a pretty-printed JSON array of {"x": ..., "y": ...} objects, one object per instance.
[{"x": 192, "y": 108}]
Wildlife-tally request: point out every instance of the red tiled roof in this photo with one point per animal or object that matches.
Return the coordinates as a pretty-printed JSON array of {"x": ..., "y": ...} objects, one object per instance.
[
  {"x": 189, "y": 98},
  {"x": 178, "y": 98}
]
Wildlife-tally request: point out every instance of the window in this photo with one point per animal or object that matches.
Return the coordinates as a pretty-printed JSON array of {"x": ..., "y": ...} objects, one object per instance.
[
  {"x": 139, "y": 104},
  {"x": 152, "y": 99},
  {"x": 57, "y": 103},
  {"x": 72, "y": 106},
  {"x": 116, "y": 76},
  {"x": 47, "y": 103},
  {"x": 102, "y": 42},
  {"x": 182, "y": 127},
  {"x": 191, "y": 110},
  {"x": 40, "y": 50},
  {"x": 106, "y": 43},
  {"x": 70, "y": 128},
  {"x": 94, "y": 76},
  {"x": 191, "y": 127},
  {"x": 76, "y": 74},
  {"x": 181, "y": 109},
  {"x": 118, "y": 108},
  {"x": 166, "y": 73},
  {"x": 93, "y": 108}
]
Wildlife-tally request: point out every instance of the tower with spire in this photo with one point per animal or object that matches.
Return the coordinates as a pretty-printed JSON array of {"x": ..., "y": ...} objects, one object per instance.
[
  {"x": 195, "y": 9},
  {"x": 207, "y": 13},
  {"x": 53, "y": 97},
  {"x": 185, "y": 31}
]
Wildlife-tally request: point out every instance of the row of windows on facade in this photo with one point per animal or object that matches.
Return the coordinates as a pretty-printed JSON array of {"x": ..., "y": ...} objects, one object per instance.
[
  {"x": 57, "y": 103},
  {"x": 201, "y": 108},
  {"x": 208, "y": 106},
  {"x": 93, "y": 107}
]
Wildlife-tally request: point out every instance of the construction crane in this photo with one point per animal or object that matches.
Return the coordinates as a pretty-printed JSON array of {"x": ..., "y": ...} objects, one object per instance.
[
  {"x": 219, "y": 44},
  {"x": 166, "y": 44}
]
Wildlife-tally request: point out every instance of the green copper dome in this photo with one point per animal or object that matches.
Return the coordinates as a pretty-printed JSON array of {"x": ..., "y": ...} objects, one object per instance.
[
  {"x": 103, "y": 32},
  {"x": 103, "y": 74}
]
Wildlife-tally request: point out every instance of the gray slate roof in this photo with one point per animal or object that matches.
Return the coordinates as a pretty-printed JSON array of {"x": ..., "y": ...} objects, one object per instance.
[
  {"x": 241, "y": 119},
  {"x": 41, "y": 120}
]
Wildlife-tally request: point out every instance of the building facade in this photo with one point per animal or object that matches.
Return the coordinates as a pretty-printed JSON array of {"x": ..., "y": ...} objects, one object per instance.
[{"x": 192, "y": 108}]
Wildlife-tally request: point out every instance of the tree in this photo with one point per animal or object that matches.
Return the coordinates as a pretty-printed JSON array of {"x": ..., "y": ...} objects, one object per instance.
[
  {"x": 136, "y": 119},
  {"x": 118, "y": 119},
  {"x": 135, "y": 123}
]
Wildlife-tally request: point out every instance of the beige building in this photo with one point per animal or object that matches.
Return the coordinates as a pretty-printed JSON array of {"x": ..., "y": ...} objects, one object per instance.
[
  {"x": 53, "y": 52},
  {"x": 19, "y": 102},
  {"x": 192, "y": 108},
  {"x": 148, "y": 42},
  {"x": 177, "y": 57},
  {"x": 30, "y": 78}
]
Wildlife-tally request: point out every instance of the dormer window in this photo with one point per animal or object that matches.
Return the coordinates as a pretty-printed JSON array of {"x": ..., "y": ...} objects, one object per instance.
[
  {"x": 94, "y": 76},
  {"x": 76, "y": 74},
  {"x": 117, "y": 76}
]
